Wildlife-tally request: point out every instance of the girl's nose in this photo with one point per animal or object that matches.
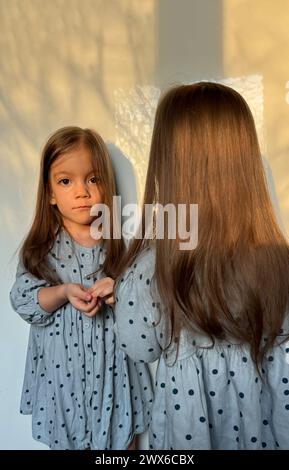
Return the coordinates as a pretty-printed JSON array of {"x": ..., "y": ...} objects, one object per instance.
[{"x": 81, "y": 190}]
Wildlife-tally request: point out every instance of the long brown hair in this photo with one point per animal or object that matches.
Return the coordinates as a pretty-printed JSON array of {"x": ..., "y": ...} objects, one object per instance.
[
  {"x": 235, "y": 284},
  {"x": 47, "y": 219}
]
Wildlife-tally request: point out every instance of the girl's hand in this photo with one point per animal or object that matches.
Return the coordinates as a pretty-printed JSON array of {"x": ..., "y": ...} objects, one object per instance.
[
  {"x": 81, "y": 299},
  {"x": 103, "y": 290}
]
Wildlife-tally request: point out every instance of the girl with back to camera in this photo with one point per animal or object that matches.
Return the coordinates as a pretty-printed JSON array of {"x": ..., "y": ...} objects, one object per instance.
[
  {"x": 215, "y": 317},
  {"x": 82, "y": 391}
]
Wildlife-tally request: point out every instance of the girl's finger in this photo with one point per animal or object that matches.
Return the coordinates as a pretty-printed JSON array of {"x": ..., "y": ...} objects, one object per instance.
[
  {"x": 103, "y": 292},
  {"x": 110, "y": 300},
  {"x": 102, "y": 283},
  {"x": 83, "y": 306},
  {"x": 93, "y": 312},
  {"x": 82, "y": 294},
  {"x": 97, "y": 285}
]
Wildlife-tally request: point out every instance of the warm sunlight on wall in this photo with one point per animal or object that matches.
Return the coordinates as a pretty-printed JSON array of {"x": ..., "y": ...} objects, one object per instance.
[
  {"x": 256, "y": 40},
  {"x": 60, "y": 64}
]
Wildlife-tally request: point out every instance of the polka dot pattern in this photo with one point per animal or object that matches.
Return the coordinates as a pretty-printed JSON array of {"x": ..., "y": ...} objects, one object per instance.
[
  {"x": 210, "y": 397},
  {"x": 78, "y": 385}
]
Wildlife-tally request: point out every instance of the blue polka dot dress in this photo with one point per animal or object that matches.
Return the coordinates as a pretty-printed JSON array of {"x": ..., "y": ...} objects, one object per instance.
[
  {"x": 81, "y": 389},
  {"x": 210, "y": 397}
]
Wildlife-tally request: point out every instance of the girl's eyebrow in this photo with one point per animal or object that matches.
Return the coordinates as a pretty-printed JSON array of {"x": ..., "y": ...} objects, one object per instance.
[
  {"x": 62, "y": 173},
  {"x": 68, "y": 173}
]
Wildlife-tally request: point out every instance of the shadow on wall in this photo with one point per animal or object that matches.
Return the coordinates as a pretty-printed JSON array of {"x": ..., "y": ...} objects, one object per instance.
[
  {"x": 60, "y": 66},
  {"x": 125, "y": 185},
  {"x": 124, "y": 175}
]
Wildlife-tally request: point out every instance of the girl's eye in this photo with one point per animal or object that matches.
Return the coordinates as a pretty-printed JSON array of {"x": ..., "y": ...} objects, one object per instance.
[
  {"x": 64, "y": 181},
  {"x": 94, "y": 180}
]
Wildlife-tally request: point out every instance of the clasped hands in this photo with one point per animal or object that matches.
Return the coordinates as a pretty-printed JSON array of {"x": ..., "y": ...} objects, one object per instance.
[{"x": 89, "y": 300}]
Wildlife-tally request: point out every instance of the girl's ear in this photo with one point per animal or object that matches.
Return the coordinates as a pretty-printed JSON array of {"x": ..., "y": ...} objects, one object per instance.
[{"x": 52, "y": 200}]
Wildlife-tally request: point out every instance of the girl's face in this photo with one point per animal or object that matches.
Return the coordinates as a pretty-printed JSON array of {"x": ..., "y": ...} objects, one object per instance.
[{"x": 74, "y": 186}]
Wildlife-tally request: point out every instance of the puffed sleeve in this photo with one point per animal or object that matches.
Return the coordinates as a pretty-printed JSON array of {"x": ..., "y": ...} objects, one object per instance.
[
  {"x": 24, "y": 298},
  {"x": 136, "y": 312}
]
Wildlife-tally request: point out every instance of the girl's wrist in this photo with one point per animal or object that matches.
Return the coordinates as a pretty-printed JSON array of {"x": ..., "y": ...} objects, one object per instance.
[{"x": 63, "y": 291}]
